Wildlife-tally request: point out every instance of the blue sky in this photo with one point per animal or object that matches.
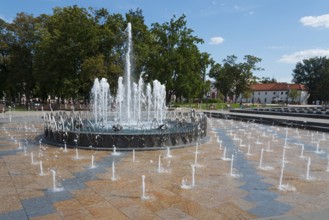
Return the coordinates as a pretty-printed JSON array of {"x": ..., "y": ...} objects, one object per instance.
[{"x": 280, "y": 32}]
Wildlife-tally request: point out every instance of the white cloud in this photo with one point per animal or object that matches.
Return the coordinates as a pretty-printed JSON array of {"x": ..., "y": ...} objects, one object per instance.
[
  {"x": 316, "y": 21},
  {"x": 216, "y": 40},
  {"x": 251, "y": 13},
  {"x": 305, "y": 54}
]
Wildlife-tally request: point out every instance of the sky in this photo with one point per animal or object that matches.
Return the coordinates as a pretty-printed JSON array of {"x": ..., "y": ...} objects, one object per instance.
[{"x": 280, "y": 32}]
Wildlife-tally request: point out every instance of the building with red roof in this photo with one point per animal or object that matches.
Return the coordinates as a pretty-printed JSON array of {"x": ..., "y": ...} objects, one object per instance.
[{"x": 267, "y": 93}]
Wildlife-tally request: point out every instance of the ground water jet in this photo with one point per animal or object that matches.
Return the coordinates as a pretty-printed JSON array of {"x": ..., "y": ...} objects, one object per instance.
[
  {"x": 159, "y": 165},
  {"x": 92, "y": 165},
  {"x": 261, "y": 159},
  {"x": 55, "y": 188},
  {"x": 113, "y": 178},
  {"x": 168, "y": 154},
  {"x": 41, "y": 168},
  {"x": 143, "y": 197},
  {"x": 134, "y": 156},
  {"x": 308, "y": 169}
]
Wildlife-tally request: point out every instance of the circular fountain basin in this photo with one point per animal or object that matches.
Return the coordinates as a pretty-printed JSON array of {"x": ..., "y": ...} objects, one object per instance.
[{"x": 75, "y": 131}]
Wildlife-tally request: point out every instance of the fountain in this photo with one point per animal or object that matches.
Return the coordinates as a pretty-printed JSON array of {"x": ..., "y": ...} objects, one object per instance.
[
  {"x": 115, "y": 153},
  {"x": 302, "y": 151},
  {"x": 76, "y": 157},
  {"x": 248, "y": 152},
  {"x": 134, "y": 156},
  {"x": 168, "y": 154},
  {"x": 135, "y": 118},
  {"x": 193, "y": 176},
  {"x": 32, "y": 160},
  {"x": 143, "y": 197},
  {"x": 65, "y": 147},
  {"x": 159, "y": 165},
  {"x": 92, "y": 165},
  {"x": 261, "y": 159},
  {"x": 232, "y": 174},
  {"x": 113, "y": 178},
  {"x": 196, "y": 155},
  {"x": 224, "y": 156},
  {"x": 55, "y": 188},
  {"x": 308, "y": 177},
  {"x": 41, "y": 168}
]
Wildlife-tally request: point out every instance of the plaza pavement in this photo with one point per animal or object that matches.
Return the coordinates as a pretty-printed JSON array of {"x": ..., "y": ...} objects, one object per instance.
[{"x": 86, "y": 193}]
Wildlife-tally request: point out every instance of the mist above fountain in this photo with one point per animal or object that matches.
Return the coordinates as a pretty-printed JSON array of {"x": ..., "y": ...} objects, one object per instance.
[{"x": 136, "y": 117}]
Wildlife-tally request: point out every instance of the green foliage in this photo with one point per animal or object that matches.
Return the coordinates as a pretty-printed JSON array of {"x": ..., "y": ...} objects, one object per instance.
[
  {"x": 6, "y": 39},
  {"x": 59, "y": 55},
  {"x": 176, "y": 60},
  {"x": 314, "y": 73},
  {"x": 234, "y": 78},
  {"x": 25, "y": 36},
  {"x": 293, "y": 94},
  {"x": 267, "y": 80}
]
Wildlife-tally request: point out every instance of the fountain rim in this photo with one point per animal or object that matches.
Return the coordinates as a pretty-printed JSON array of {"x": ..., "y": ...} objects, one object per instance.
[{"x": 193, "y": 130}]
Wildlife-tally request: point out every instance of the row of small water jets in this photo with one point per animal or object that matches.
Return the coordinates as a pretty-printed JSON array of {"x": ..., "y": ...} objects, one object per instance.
[
  {"x": 56, "y": 185},
  {"x": 272, "y": 130},
  {"x": 31, "y": 131}
]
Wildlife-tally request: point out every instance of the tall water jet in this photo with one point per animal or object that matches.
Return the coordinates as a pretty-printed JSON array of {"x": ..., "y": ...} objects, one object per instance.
[{"x": 128, "y": 72}]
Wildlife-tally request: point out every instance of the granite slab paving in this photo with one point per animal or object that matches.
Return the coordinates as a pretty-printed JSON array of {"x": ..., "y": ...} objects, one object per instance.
[{"x": 91, "y": 194}]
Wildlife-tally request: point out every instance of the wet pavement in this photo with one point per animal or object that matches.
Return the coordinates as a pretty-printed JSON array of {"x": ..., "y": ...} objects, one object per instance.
[{"x": 223, "y": 190}]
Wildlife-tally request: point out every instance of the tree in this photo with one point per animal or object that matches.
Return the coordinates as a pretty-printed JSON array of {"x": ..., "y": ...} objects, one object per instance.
[
  {"x": 323, "y": 85},
  {"x": 246, "y": 78},
  {"x": 293, "y": 94},
  {"x": 223, "y": 81},
  {"x": 111, "y": 38},
  {"x": 234, "y": 78},
  {"x": 68, "y": 39},
  {"x": 312, "y": 72},
  {"x": 5, "y": 42},
  {"x": 175, "y": 59},
  {"x": 24, "y": 28},
  {"x": 267, "y": 80}
]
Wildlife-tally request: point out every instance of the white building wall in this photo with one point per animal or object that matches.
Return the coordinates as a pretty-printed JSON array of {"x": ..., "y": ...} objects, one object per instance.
[{"x": 266, "y": 97}]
